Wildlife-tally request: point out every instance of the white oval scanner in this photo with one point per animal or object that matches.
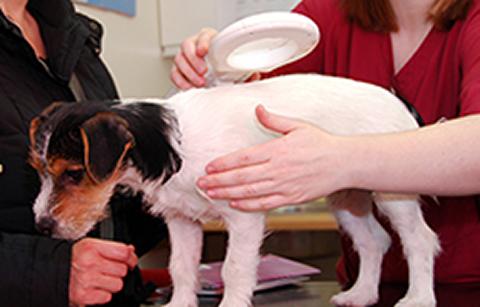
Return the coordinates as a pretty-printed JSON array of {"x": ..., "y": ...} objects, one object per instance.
[{"x": 260, "y": 43}]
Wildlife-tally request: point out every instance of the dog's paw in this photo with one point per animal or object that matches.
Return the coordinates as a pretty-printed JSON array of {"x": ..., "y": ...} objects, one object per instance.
[
  {"x": 181, "y": 304},
  {"x": 416, "y": 302},
  {"x": 354, "y": 298},
  {"x": 234, "y": 304}
]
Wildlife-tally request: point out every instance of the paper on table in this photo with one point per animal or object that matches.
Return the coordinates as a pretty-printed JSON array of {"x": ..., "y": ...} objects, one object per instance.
[{"x": 273, "y": 271}]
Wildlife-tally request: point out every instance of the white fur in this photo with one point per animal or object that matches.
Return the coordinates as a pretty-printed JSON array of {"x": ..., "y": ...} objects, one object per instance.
[
  {"x": 213, "y": 122},
  {"x": 40, "y": 207}
]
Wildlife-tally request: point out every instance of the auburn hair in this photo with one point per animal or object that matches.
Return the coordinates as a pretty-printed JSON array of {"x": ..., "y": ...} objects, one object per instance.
[{"x": 378, "y": 15}]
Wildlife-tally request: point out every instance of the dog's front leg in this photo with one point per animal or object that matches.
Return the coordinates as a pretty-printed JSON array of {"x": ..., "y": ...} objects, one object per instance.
[
  {"x": 186, "y": 246},
  {"x": 239, "y": 272}
]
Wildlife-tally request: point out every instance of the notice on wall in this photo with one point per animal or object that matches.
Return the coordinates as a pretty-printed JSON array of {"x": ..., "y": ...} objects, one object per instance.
[{"x": 126, "y": 7}]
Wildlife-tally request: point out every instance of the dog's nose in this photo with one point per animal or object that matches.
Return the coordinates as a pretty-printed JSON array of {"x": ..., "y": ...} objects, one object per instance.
[{"x": 45, "y": 226}]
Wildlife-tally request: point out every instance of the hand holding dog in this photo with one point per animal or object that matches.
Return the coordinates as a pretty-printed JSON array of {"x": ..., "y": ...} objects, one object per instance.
[
  {"x": 97, "y": 270},
  {"x": 189, "y": 65},
  {"x": 301, "y": 165}
]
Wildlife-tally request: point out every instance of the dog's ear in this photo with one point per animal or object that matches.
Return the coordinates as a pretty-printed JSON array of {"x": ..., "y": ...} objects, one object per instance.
[
  {"x": 106, "y": 141},
  {"x": 36, "y": 122},
  {"x": 36, "y": 133}
]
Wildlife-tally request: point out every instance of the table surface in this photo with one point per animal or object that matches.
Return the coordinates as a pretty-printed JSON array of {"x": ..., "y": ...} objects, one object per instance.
[
  {"x": 308, "y": 294},
  {"x": 298, "y": 221},
  {"x": 311, "y": 216},
  {"x": 318, "y": 294}
]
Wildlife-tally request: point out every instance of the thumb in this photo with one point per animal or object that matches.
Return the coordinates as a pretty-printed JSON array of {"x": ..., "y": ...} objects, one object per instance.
[{"x": 276, "y": 123}]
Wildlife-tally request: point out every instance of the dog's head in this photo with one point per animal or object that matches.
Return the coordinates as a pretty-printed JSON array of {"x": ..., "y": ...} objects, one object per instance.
[{"x": 79, "y": 151}]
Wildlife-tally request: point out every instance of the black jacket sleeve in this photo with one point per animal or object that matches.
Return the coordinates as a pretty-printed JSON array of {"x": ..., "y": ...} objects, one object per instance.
[{"x": 34, "y": 271}]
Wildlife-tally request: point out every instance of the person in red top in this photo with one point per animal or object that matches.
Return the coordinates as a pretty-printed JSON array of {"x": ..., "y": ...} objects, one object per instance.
[{"x": 427, "y": 52}]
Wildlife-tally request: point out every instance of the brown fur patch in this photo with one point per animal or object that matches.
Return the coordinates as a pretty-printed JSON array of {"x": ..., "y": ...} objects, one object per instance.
[
  {"x": 77, "y": 205},
  {"x": 57, "y": 166},
  {"x": 35, "y": 160}
]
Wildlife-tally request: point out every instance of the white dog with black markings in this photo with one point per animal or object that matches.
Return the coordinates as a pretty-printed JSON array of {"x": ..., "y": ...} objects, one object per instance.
[{"x": 161, "y": 147}]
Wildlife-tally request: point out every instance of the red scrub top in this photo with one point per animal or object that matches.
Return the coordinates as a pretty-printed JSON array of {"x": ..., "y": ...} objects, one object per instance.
[{"x": 441, "y": 80}]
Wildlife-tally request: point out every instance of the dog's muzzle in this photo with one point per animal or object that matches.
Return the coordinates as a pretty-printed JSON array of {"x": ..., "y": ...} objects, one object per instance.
[{"x": 46, "y": 226}]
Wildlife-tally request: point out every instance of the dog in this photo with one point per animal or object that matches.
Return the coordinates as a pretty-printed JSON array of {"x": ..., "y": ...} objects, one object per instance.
[{"x": 82, "y": 151}]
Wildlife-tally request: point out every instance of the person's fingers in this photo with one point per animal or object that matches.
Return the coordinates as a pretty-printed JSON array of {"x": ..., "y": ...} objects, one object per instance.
[
  {"x": 263, "y": 203},
  {"x": 255, "y": 77},
  {"x": 245, "y": 157},
  {"x": 97, "y": 297},
  {"x": 277, "y": 123},
  {"x": 178, "y": 79},
  {"x": 190, "y": 51},
  {"x": 238, "y": 176},
  {"x": 98, "y": 267},
  {"x": 91, "y": 254},
  {"x": 112, "y": 268},
  {"x": 95, "y": 280},
  {"x": 251, "y": 190},
  {"x": 133, "y": 258},
  {"x": 90, "y": 297},
  {"x": 185, "y": 63},
  {"x": 115, "y": 251},
  {"x": 107, "y": 283},
  {"x": 203, "y": 41}
]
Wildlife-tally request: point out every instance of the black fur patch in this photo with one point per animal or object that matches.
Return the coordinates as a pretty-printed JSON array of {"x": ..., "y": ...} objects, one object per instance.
[
  {"x": 65, "y": 123},
  {"x": 152, "y": 126}
]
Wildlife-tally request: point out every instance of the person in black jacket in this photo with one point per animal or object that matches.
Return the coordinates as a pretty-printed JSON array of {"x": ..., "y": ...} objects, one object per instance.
[{"x": 50, "y": 53}]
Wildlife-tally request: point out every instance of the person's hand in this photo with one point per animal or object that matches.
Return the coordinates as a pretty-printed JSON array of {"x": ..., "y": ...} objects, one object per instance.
[
  {"x": 97, "y": 270},
  {"x": 189, "y": 66},
  {"x": 303, "y": 164}
]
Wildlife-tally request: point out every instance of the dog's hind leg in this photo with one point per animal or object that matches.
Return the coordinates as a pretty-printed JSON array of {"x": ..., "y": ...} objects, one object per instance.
[
  {"x": 353, "y": 210},
  {"x": 420, "y": 245},
  {"x": 239, "y": 272},
  {"x": 186, "y": 247}
]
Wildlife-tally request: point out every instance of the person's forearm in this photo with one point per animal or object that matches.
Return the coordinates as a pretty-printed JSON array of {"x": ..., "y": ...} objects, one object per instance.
[
  {"x": 35, "y": 270},
  {"x": 442, "y": 159}
]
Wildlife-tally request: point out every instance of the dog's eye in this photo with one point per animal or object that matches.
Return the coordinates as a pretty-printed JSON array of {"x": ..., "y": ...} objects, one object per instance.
[{"x": 74, "y": 175}]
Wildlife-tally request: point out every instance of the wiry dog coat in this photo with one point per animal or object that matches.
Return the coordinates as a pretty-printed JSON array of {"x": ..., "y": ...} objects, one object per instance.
[{"x": 82, "y": 151}]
